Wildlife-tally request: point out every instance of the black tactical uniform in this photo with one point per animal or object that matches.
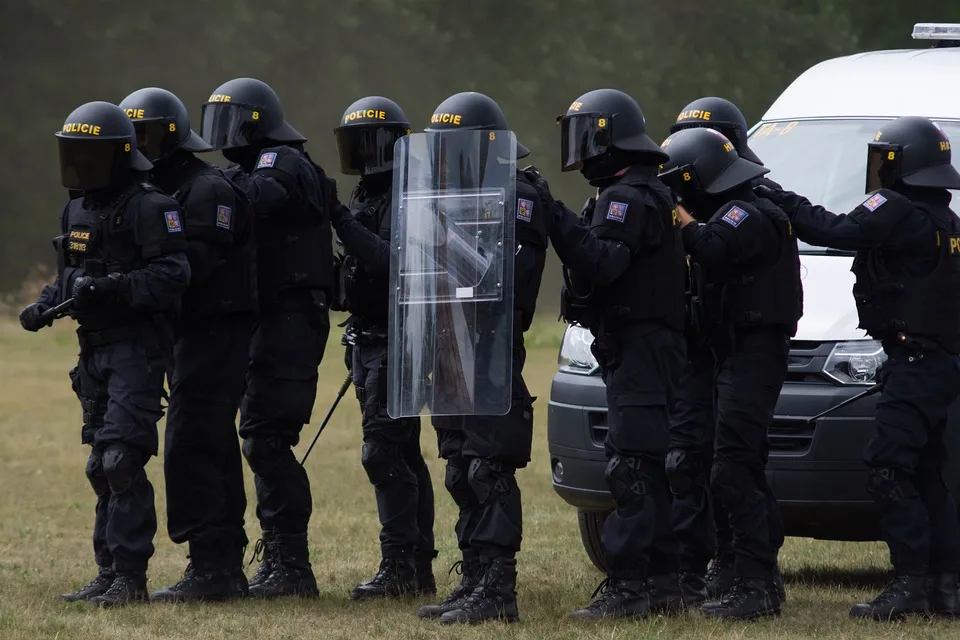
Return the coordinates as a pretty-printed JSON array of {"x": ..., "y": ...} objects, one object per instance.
[
  {"x": 121, "y": 257},
  {"x": 746, "y": 250},
  {"x": 203, "y": 469},
  {"x": 483, "y": 453},
  {"x": 626, "y": 267},
  {"x": 294, "y": 245},
  {"x": 702, "y": 524},
  {"x": 391, "y": 453},
  {"x": 907, "y": 291}
]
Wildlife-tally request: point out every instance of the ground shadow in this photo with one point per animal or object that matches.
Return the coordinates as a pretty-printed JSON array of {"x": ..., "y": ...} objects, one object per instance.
[{"x": 834, "y": 577}]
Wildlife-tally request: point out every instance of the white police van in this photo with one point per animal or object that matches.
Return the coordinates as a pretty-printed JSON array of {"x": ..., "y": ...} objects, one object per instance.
[{"x": 814, "y": 139}]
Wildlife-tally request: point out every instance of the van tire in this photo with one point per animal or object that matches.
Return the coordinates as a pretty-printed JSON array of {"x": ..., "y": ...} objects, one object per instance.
[{"x": 591, "y": 526}]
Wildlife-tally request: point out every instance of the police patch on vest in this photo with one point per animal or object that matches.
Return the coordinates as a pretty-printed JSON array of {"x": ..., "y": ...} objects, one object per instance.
[
  {"x": 735, "y": 216},
  {"x": 266, "y": 160},
  {"x": 173, "y": 221},
  {"x": 524, "y": 210},
  {"x": 873, "y": 202},
  {"x": 617, "y": 211},
  {"x": 223, "y": 216}
]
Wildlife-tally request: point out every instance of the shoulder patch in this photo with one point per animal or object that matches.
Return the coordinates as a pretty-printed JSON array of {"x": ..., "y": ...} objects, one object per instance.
[
  {"x": 173, "y": 221},
  {"x": 524, "y": 209},
  {"x": 874, "y": 202},
  {"x": 735, "y": 216},
  {"x": 617, "y": 211},
  {"x": 267, "y": 159},
  {"x": 224, "y": 214}
]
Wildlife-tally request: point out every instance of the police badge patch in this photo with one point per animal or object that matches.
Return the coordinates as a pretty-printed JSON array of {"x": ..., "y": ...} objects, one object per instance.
[
  {"x": 735, "y": 216},
  {"x": 524, "y": 210},
  {"x": 617, "y": 211},
  {"x": 266, "y": 160},
  {"x": 173, "y": 221},
  {"x": 873, "y": 202},
  {"x": 223, "y": 216}
]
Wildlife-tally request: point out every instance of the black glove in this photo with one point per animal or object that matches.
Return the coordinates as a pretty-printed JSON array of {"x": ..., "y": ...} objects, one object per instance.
[
  {"x": 539, "y": 183},
  {"x": 30, "y": 317},
  {"x": 763, "y": 191},
  {"x": 87, "y": 289}
]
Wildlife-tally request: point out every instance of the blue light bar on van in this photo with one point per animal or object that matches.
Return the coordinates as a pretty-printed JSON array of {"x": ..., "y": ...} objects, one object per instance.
[{"x": 936, "y": 31}]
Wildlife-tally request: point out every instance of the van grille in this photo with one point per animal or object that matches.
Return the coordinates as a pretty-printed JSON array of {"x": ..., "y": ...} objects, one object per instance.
[{"x": 790, "y": 436}]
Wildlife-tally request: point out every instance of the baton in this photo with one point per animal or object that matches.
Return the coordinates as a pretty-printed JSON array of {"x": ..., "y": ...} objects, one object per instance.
[
  {"x": 58, "y": 311},
  {"x": 869, "y": 392},
  {"x": 342, "y": 392}
]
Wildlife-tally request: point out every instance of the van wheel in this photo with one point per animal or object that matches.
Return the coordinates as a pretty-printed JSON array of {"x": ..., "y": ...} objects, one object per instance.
[{"x": 591, "y": 524}]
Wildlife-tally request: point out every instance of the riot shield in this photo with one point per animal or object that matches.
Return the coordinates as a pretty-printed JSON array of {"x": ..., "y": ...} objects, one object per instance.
[{"x": 451, "y": 274}]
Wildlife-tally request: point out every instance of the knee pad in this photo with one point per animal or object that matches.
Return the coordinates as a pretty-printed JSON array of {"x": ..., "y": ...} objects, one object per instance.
[
  {"x": 488, "y": 479},
  {"x": 264, "y": 455},
  {"x": 96, "y": 475},
  {"x": 889, "y": 486},
  {"x": 683, "y": 471},
  {"x": 625, "y": 480},
  {"x": 122, "y": 467},
  {"x": 380, "y": 461},
  {"x": 456, "y": 483}
]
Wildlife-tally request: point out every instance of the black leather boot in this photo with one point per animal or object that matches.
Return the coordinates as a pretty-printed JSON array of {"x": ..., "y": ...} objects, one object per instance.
[
  {"x": 292, "y": 575},
  {"x": 616, "y": 598},
  {"x": 426, "y": 583},
  {"x": 906, "y": 595},
  {"x": 748, "y": 599},
  {"x": 96, "y": 587},
  {"x": 268, "y": 553},
  {"x": 494, "y": 597},
  {"x": 943, "y": 590},
  {"x": 396, "y": 578},
  {"x": 127, "y": 588},
  {"x": 470, "y": 571}
]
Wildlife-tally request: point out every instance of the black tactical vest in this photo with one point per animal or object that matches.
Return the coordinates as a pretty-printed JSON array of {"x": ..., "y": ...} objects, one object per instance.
[
  {"x": 295, "y": 248},
  {"x": 531, "y": 237},
  {"x": 654, "y": 286},
  {"x": 365, "y": 295},
  {"x": 99, "y": 239},
  {"x": 232, "y": 287},
  {"x": 768, "y": 293},
  {"x": 922, "y": 307}
]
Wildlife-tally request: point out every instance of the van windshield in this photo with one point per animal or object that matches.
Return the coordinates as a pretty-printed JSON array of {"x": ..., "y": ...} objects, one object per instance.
[{"x": 825, "y": 160}]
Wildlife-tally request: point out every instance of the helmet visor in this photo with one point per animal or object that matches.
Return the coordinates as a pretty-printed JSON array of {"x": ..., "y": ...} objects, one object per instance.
[
  {"x": 367, "y": 150},
  {"x": 156, "y": 137},
  {"x": 226, "y": 125},
  {"x": 583, "y": 136},
  {"x": 883, "y": 165},
  {"x": 682, "y": 181},
  {"x": 87, "y": 164}
]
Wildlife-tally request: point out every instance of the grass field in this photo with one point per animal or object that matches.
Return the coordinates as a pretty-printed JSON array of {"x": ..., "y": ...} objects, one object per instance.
[{"x": 46, "y": 514}]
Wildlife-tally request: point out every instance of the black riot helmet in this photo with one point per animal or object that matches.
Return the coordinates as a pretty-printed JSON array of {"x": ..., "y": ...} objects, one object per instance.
[
  {"x": 912, "y": 150},
  {"x": 600, "y": 121},
  {"x": 98, "y": 148},
  {"x": 161, "y": 122},
  {"x": 721, "y": 115},
  {"x": 367, "y": 133},
  {"x": 703, "y": 161},
  {"x": 471, "y": 110},
  {"x": 245, "y": 112}
]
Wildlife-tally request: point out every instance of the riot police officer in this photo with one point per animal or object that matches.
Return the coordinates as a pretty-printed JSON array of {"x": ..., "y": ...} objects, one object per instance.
[
  {"x": 121, "y": 259},
  {"x": 483, "y": 453},
  {"x": 391, "y": 448},
  {"x": 746, "y": 249},
  {"x": 290, "y": 200},
  {"x": 702, "y": 524},
  {"x": 626, "y": 276},
  {"x": 907, "y": 291},
  {"x": 203, "y": 470}
]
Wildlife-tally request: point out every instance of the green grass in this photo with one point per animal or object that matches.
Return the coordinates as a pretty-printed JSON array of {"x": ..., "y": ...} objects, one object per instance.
[{"x": 46, "y": 515}]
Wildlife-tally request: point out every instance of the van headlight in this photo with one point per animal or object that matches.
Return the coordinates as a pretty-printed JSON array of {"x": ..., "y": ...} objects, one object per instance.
[
  {"x": 855, "y": 362},
  {"x": 575, "y": 355}
]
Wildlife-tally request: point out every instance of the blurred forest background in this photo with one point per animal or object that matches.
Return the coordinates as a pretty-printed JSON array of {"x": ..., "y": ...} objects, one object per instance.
[{"x": 532, "y": 56}]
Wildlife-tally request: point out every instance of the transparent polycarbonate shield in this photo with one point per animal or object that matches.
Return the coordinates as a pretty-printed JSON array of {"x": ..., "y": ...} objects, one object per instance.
[{"x": 451, "y": 274}]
